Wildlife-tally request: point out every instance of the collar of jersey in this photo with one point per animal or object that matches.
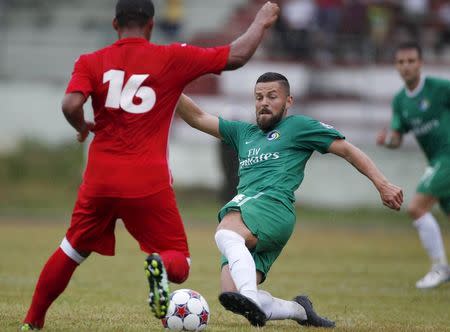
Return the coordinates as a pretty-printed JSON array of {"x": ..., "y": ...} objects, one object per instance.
[
  {"x": 417, "y": 90},
  {"x": 131, "y": 40}
]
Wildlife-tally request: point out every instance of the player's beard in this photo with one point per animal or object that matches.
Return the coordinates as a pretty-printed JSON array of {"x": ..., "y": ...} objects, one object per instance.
[{"x": 268, "y": 123}]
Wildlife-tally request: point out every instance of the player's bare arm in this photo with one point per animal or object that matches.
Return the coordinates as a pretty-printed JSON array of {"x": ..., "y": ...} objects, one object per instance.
[
  {"x": 390, "y": 139},
  {"x": 391, "y": 195},
  {"x": 196, "y": 118},
  {"x": 72, "y": 107},
  {"x": 245, "y": 46}
]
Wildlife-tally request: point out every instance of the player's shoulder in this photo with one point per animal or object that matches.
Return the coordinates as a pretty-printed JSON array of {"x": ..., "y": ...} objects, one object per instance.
[
  {"x": 102, "y": 50},
  {"x": 300, "y": 120},
  {"x": 237, "y": 123},
  {"x": 299, "y": 117},
  {"x": 436, "y": 81},
  {"x": 90, "y": 56},
  {"x": 178, "y": 47}
]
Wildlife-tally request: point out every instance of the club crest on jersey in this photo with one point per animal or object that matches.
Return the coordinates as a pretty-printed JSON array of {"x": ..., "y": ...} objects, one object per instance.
[
  {"x": 273, "y": 135},
  {"x": 424, "y": 104}
]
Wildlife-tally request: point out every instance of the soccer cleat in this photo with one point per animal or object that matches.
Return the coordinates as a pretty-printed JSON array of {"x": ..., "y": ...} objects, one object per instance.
[
  {"x": 28, "y": 327},
  {"x": 438, "y": 275},
  {"x": 242, "y": 305},
  {"x": 312, "y": 318},
  {"x": 158, "y": 298}
]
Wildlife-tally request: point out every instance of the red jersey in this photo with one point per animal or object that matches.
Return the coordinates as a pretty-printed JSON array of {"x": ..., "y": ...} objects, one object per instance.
[{"x": 135, "y": 86}]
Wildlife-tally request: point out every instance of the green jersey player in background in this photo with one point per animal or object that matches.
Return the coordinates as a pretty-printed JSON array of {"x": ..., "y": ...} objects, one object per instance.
[
  {"x": 257, "y": 223},
  {"x": 423, "y": 107}
]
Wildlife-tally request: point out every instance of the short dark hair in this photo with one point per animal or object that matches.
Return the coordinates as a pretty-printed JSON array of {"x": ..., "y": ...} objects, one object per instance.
[
  {"x": 134, "y": 13},
  {"x": 275, "y": 77},
  {"x": 410, "y": 45}
]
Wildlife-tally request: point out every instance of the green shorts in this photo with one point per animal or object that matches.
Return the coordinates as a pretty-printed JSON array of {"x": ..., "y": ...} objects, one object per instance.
[
  {"x": 269, "y": 220},
  {"x": 436, "y": 182}
]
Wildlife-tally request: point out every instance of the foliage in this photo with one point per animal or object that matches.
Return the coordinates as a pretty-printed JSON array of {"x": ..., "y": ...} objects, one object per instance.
[
  {"x": 37, "y": 178},
  {"x": 35, "y": 161}
]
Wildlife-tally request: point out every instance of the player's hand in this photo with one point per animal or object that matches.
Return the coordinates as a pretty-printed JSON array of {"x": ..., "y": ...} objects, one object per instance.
[
  {"x": 391, "y": 195},
  {"x": 84, "y": 133},
  {"x": 268, "y": 14},
  {"x": 381, "y": 136}
]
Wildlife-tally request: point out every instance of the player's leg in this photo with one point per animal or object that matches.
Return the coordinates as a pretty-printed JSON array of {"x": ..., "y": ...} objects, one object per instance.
[
  {"x": 263, "y": 219},
  {"x": 277, "y": 309},
  {"x": 273, "y": 308},
  {"x": 234, "y": 239},
  {"x": 91, "y": 229},
  {"x": 238, "y": 303},
  {"x": 299, "y": 309},
  {"x": 54, "y": 278},
  {"x": 427, "y": 227},
  {"x": 154, "y": 221},
  {"x": 431, "y": 239},
  {"x": 227, "y": 283}
]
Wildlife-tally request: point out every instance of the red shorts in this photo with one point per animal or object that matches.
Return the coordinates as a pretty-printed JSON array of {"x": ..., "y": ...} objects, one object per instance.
[{"x": 154, "y": 221}]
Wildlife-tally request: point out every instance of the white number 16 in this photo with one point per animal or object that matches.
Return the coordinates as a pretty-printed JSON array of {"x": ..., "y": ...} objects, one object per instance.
[{"x": 123, "y": 98}]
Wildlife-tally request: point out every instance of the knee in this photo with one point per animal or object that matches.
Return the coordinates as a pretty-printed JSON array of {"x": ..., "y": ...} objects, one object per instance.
[
  {"x": 177, "y": 266},
  {"x": 226, "y": 238},
  {"x": 415, "y": 211}
]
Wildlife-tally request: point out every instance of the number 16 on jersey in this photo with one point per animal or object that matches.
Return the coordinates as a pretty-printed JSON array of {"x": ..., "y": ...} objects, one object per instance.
[{"x": 120, "y": 96}]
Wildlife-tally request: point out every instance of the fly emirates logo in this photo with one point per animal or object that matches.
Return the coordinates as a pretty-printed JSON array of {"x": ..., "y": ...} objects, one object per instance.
[
  {"x": 422, "y": 128},
  {"x": 255, "y": 157}
]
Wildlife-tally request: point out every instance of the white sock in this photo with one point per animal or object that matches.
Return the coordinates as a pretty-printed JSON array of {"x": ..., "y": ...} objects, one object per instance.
[
  {"x": 430, "y": 235},
  {"x": 276, "y": 309},
  {"x": 240, "y": 261}
]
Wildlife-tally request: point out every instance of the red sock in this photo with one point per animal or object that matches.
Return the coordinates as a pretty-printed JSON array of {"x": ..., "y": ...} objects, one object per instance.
[
  {"x": 176, "y": 266},
  {"x": 53, "y": 280}
]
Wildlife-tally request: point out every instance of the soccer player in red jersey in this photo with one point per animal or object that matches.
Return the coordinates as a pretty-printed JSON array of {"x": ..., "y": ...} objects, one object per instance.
[{"x": 134, "y": 86}]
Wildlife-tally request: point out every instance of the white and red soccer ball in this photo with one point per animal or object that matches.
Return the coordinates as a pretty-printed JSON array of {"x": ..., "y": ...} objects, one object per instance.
[{"x": 188, "y": 311}]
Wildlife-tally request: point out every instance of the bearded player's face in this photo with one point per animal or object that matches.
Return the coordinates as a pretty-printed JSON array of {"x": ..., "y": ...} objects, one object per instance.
[{"x": 271, "y": 103}]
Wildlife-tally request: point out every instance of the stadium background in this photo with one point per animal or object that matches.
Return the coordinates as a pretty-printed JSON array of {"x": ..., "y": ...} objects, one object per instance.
[{"x": 338, "y": 60}]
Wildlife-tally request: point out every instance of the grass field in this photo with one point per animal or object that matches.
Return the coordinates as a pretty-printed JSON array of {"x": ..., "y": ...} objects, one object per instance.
[{"x": 362, "y": 276}]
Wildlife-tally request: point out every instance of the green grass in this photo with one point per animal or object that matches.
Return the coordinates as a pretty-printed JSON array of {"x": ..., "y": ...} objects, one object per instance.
[
  {"x": 363, "y": 277},
  {"x": 359, "y": 266}
]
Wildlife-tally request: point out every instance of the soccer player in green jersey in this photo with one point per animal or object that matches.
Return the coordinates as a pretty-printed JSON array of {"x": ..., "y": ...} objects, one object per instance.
[
  {"x": 423, "y": 107},
  {"x": 257, "y": 223}
]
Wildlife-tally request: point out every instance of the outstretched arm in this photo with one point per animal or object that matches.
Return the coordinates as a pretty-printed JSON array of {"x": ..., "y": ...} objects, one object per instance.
[
  {"x": 391, "y": 140},
  {"x": 391, "y": 195},
  {"x": 196, "y": 118},
  {"x": 72, "y": 107},
  {"x": 245, "y": 46}
]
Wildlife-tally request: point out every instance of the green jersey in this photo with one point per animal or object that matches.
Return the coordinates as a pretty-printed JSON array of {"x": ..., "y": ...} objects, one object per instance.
[
  {"x": 425, "y": 112},
  {"x": 273, "y": 162}
]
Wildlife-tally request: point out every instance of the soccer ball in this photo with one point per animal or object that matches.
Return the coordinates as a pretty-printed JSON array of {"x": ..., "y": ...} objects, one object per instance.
[{"x": 188, "y": 311}]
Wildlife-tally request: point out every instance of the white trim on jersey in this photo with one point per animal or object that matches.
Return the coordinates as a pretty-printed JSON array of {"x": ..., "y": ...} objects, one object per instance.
[
  {"x": 70, "y": 251},
  {"x": 250, "y": 197},
  {"x": 417, "y": 90}
]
